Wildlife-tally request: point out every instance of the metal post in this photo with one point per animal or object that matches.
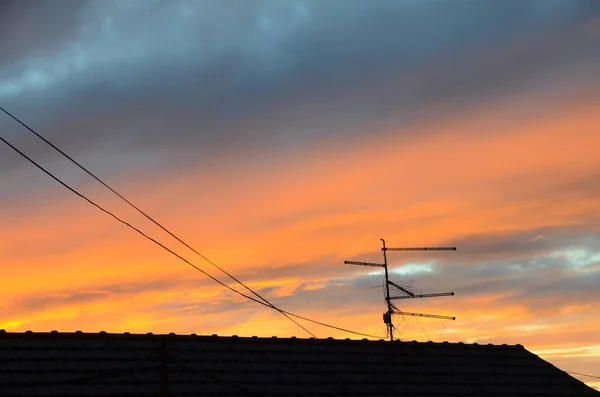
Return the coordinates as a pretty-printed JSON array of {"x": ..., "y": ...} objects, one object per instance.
[
  {"x": 391, "y": 309},
  {"x": 388, "y": 318}
]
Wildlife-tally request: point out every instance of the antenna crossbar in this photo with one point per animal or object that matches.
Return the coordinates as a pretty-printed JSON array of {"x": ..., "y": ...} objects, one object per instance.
[
  {"x": 391, "y": 308},
  {"x": 424, "y": 315},
  {"x": 420, "y": 249},
  {"x": 364, "y": 264},
  {"x": 401, "y": 288},
  {"x": 423, "y": 295}
]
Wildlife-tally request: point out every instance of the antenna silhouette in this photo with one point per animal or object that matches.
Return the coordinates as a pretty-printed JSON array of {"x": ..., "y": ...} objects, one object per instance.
[{"x": 391, "y": 308}]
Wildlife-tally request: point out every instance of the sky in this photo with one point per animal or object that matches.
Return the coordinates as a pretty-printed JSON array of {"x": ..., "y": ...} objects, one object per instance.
[{"x": 280, "y": 138}]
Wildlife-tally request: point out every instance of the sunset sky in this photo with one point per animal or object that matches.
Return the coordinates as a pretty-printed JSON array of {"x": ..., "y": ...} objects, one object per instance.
[{"x": 280, "y": 138}]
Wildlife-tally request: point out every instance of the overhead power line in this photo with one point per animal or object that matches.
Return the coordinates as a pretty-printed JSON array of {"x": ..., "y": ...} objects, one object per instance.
[
  {"x": 80, "y": 195},
  {"x": 580, "y": 374},
  {"x": 146, "y": 215},
  {"x": 71, "y": 159}
]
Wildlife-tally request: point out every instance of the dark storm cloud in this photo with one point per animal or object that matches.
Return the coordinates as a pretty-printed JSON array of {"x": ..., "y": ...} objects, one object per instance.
[
  {"x": 210, "y": 76},
  {"x": 36, "y": 28}
]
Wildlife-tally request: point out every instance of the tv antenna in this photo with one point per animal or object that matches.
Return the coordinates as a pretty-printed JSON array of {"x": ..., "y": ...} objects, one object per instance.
[{"x": 391, "y": 308}]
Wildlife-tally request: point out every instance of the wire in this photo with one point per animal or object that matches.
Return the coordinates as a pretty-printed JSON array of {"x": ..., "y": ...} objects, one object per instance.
[
  {"x": 331, "y": 326},
  {"x": 421, "y": 325},
  {"x": 211, "y": 376},
  {"x": 405, "y": 325},
  {"x": 178, "y": 363},
  {"x": 286, "y": 313},
  {"x": 397, "y": 327},
  {"x": 119, "y": 219},
  {"x": 177, "y": 255},
  {"x": 109, "y": 375},
  {"x": 94, "y": 376},
  {"x": 580, "y": 374},
  {"x": 148, "y": 216},
  {"x": 115, "y": 375}
]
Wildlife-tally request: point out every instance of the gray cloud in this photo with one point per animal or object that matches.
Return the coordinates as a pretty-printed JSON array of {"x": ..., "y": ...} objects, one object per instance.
[
  {"x": 196, "y": 78},
  {"x": 539, "y": 284},
  {"x": 36, "y": 28},
  {"x": 523, "y": 243},
  {"x": 565, "y": 261},
  {"x": 537, "y": 273}
]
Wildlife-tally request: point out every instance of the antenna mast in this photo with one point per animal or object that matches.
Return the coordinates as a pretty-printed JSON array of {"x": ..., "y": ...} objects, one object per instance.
[{"x": 391, "y": 308}]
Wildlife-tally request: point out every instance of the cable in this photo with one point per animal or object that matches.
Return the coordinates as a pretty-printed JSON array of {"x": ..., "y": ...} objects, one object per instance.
[
  {"x": 406, "y": 325},
  {"x": 148, "y": 216},
  {"x": 115, "y": 375},
  {"x": 285, "y": 313},
  {"x": 421, "y": 325},
  {"x": 190, "y": 263},
  {"x": 332, "y": 326},
  {"x": 176, "y": 254},
  {"x": 108, "y": 375},
  {"x": 580, "y": 374},
  {"x": 119, "y": 219},
  {"x": 94, "y": 376},
  {"x": 209, "y": 375},
  {"x": 397, "y": 327},
  {"x": 145, "y": 235}
]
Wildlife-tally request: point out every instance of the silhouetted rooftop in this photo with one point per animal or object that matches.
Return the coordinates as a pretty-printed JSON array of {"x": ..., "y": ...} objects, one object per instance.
[{"x": 102, "y": 364}]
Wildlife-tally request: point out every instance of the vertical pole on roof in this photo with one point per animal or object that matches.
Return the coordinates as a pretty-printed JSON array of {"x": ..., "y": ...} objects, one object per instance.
[
  {"x": 391, "y": 308},
  {"x": 387, "y": 318}
]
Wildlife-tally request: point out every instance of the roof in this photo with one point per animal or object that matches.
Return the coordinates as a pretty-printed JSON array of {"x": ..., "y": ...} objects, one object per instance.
[{"x": 101, "y": 364}]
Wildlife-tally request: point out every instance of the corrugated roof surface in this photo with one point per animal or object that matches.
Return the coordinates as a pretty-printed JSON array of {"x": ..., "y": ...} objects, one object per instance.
[{"x": 90, "y": 364}]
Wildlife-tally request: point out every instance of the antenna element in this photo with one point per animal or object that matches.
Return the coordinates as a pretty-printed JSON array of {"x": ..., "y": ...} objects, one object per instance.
[{"x": 391, "y": 308}]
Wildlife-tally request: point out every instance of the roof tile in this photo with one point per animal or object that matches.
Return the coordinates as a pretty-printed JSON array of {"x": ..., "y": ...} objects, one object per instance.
[{"x": 89, "y": 364}]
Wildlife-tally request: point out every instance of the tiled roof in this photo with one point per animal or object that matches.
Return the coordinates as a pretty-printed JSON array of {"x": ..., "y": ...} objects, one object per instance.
[{"x": 101, "y": 364}]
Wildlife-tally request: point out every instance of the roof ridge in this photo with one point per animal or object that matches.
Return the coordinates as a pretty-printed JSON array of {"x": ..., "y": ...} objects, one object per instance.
[{"x": 4, "y": 333}]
